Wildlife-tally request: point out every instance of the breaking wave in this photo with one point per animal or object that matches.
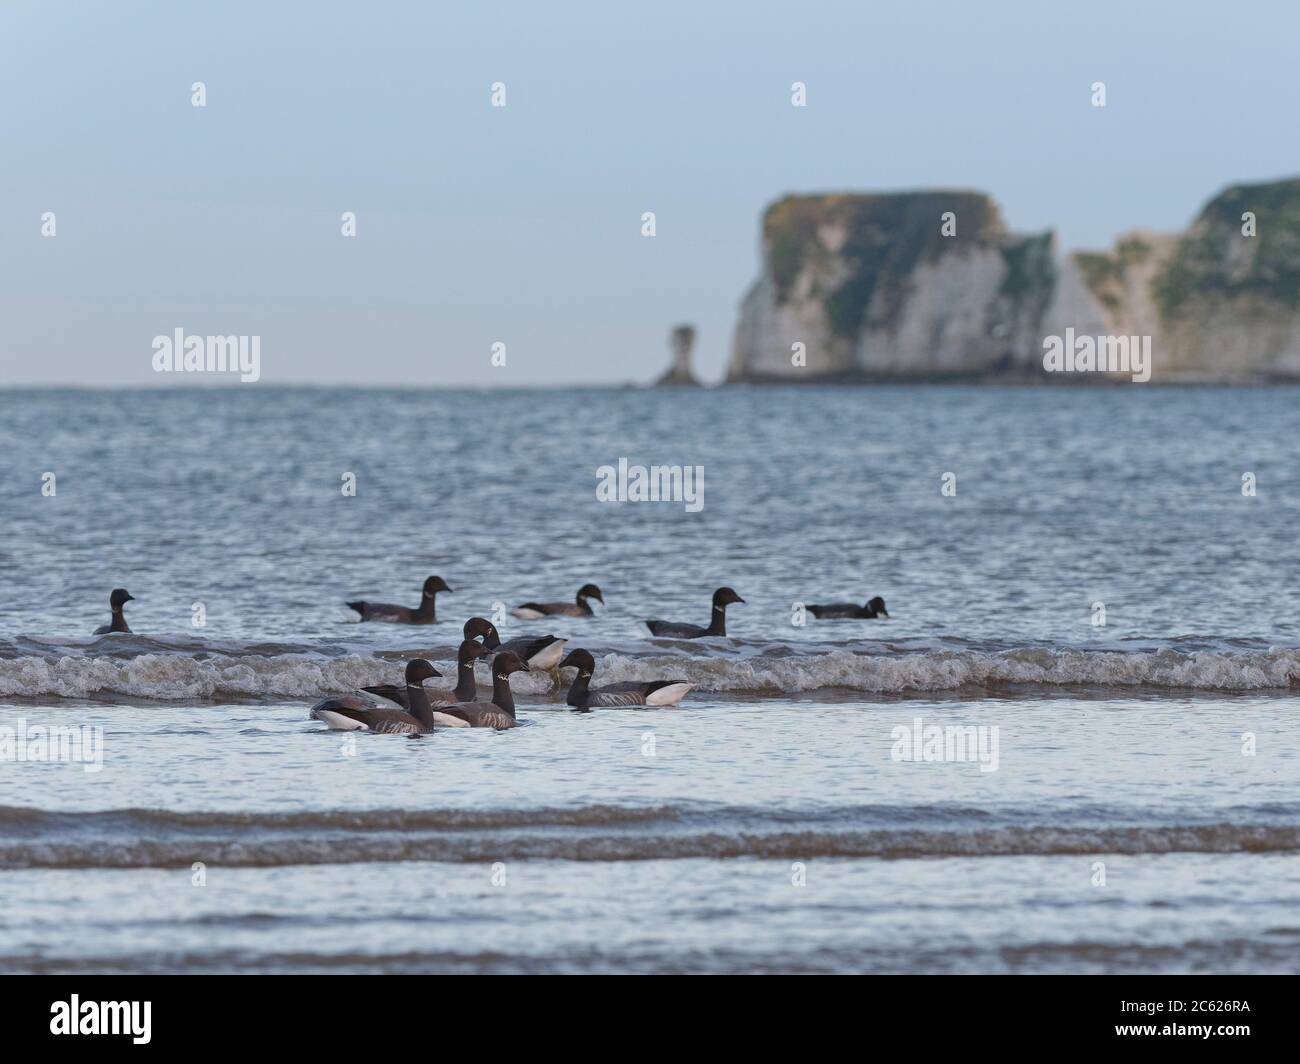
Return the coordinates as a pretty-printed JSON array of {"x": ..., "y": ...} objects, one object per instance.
[{"x": 145, "y": 669}]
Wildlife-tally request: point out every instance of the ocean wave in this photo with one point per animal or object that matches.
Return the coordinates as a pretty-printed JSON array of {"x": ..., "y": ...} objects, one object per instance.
[
  {"x": 267, "y": 672},
  {"x": 180, "y": 677},
  {"x": 940, "y": 670},
  {"x": 135, "y": 838}
]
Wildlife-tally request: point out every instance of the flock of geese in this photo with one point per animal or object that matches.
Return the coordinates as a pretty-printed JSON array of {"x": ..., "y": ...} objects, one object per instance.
[{"x": 414, "y": 709}]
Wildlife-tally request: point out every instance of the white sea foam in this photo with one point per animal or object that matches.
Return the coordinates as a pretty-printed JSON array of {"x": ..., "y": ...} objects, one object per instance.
[
  {"x": 769, "y": 673},
  {"x": 940, "y": 670}
]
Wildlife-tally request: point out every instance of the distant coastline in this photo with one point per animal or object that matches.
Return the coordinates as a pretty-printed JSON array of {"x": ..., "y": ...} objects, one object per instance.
[
  {"x": 931, "y": 287},
  {"x": 811, "y": 383}
]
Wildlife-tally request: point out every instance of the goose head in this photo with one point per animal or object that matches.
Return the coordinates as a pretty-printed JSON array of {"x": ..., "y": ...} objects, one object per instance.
[
  {"x": 580, "y": 660},
  {"x": 471, "y": 650},
  {"x": 433, "y": 585},
  {"x": 506, "y": 663},
  {"x": 418, "y": 671},
  {"x": 481, "y": 626}
]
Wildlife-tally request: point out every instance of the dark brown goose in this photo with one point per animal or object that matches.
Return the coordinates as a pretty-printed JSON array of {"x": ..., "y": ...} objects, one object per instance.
[
  {"x": 119, "y": 598},
  {"x": 350, "y": 713},
  {"x": 541, "y": 653},
  {"x": 833, "y": 610},
  {"x": 477, "y": 627},
  {"x": 499, "y": 713},
  {"x": 579, "y": 607},
  {"x": 391, "y": 613},
  {"x": 466, "y": 689},
  {"x": 722, "y": 598},
  {"x": 631, "y": 693}
]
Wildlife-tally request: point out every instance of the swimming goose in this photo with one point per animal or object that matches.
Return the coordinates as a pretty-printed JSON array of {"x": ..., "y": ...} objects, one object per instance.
[
  {"x": 541, "y": 653},
  {"x": 722, "y": 598},
  {"x": 832, "y": 610},
  {"x": 630, "y": 693},
  {"x": 466, "y": 689},
  {"x": 350, "y": 713},
  {"x": 481, "y": 626},
  {"x": 392, "y": 614},
  {"x": 579, "y": 607},
  {"x": 499, "y": 713},
  {"x": 119, "y": 598}
]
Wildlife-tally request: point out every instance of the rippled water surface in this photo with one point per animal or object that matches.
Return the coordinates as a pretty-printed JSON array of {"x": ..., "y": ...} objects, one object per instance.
[{"x": 1137, "y": 807}]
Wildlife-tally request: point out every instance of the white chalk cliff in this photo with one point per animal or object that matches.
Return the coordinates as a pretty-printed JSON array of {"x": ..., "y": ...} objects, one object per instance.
[{"x": 932, "y": 285}]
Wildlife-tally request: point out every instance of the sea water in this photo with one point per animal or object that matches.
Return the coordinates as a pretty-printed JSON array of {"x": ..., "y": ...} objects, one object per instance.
[{"x": 1096, "y": 584}]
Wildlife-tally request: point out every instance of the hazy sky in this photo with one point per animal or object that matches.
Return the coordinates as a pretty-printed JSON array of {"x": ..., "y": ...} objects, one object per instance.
[{"x": 522, "y": 224}]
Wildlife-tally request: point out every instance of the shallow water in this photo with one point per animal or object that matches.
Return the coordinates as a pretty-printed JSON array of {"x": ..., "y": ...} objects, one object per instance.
[
  {"x": 661, "y": 840},
  {"x": 1162, "y": 745}
]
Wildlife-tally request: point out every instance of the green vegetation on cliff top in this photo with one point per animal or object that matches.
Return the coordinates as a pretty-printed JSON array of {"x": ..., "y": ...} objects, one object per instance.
[
  {"x": 1207, "y": 266},
  {"x": 1104, "y": 272},
  {"x": 880, "y": 239},
  {"x": 886, "y": 237}
]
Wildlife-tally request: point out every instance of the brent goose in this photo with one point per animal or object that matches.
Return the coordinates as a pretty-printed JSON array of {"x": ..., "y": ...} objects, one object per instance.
[
  {"x": 832, "y": 610},
  {"x": 392, "y": 614},
  {"x": 579, "y": 607},
  {"x": 119, "y": 598},
  {"x": 631, "y": 693},
  {"x": 499, "y": 713},
  {"x": 350, "y": 713},
  {"x": 481, "y": 626},
  {"x": 466, "y": 689},
  {"x": 722, "y": 598},
  {"x": 539, "y": 652}
]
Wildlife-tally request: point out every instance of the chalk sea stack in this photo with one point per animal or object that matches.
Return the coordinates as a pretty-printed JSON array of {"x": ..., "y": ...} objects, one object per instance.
[
  {"x": 932, "y": 285},
  {"x": 1221, "y": 305},
  {"x": 681, "y": 341}
]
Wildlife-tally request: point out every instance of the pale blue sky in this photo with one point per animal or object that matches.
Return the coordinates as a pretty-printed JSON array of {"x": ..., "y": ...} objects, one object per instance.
[{"x": 522, "y": 224}]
